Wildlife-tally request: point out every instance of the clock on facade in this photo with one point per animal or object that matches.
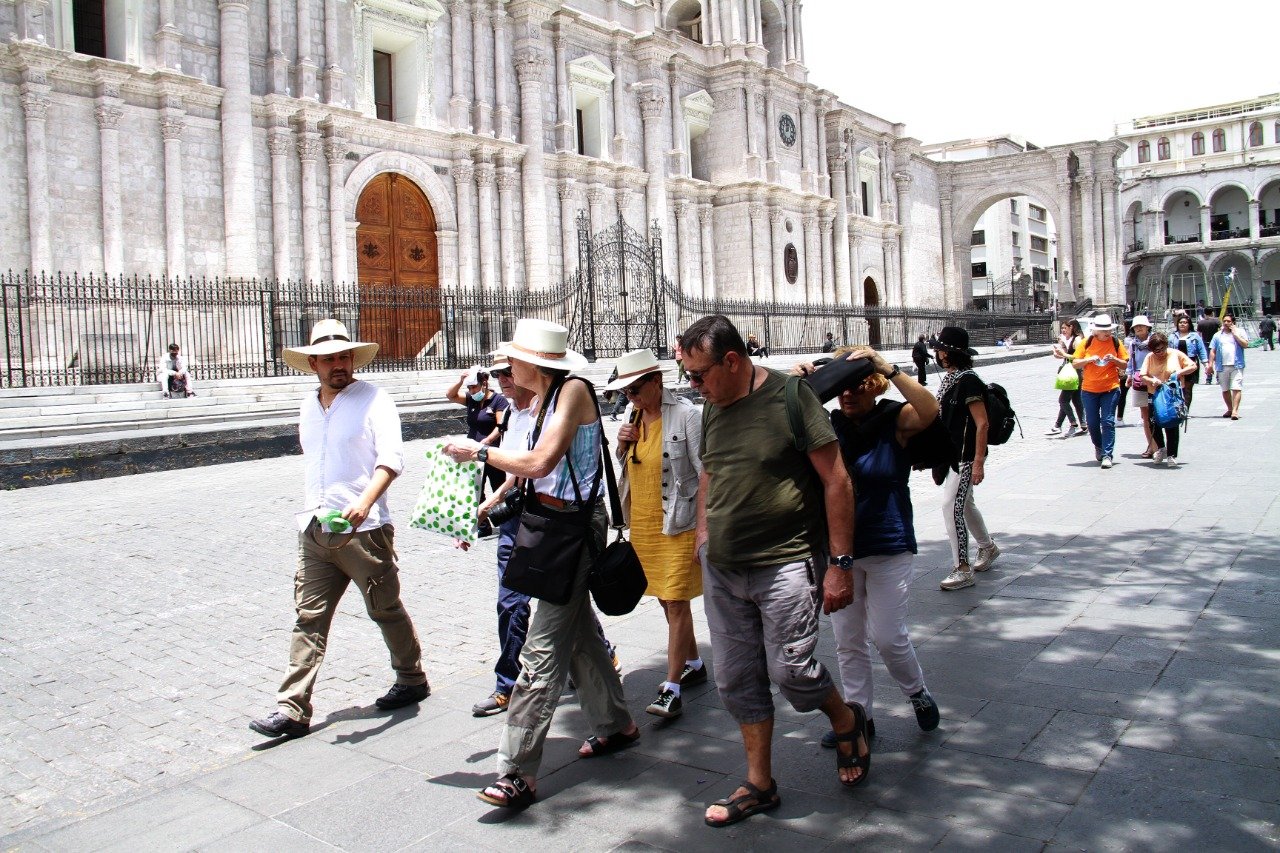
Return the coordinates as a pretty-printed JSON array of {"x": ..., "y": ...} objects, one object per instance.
[{"x": 787, "y": 130}]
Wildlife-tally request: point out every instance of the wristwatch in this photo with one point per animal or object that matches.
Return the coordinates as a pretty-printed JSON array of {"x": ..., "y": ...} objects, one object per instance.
[
  {"x": 892, "y": 373},
  {"x": 482, "y": 455},
  {"x": 843, "y": 561}
]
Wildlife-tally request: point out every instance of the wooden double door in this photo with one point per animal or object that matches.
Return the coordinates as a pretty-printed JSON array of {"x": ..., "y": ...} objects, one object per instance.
[{"x": 398, "y": 266}]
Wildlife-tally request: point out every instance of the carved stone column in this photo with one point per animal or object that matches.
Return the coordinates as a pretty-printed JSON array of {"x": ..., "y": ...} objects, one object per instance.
[
  {"x": 706, "y": 218},
  {"x": 1206, "y": 213},
  {"x": 459, "y": 103},
  {"x": 501, "y": 72},
  {"x": 855, "y": 269},
  {"x": 277, "y": 62},
  {"x": 508, "y": 184},
  {"x": 485, "y": 224},
  {"x": 902, "y": 182},
  {"x": 167, "y": 39},
  {"x": 35, "y": 108},
  {"x": 564, "y": 110},
  {"x": 618, "y": 96},
  {"x": 853, "y": 177},
  {"x": 812, "y": 260},
  {"x": 951, "y": 291},
  {"x": 305, "y": 80},
  {"x": 888, "y": 210},
  {"x": 483, "y": 111},
  {"x": 679, "y": 160},
  {"x": 825, "y": 221},
  {"x": 761, "y": 273},
  {"x": 172, "y": 123},
  {"x": 238, "y": 184},
  {"x": 1112, "y": 252},
  {"x": 333, "y": 73},
  {"x": 108, "y": 114},
  {"x": 770, "y": 137},
  {"x": 753, "y": 138},
  {"x": 806, "y": 140},
  {"x": 595, "y": 206},
  {"x": 1089, "y": 280},
  {"x": 335, "y": 154},
  {"x": 308, "y": 154},
  {"x": 777, "y": 239},
  {"x": 1255, "y": 227},
  {"x": 1067, "y": 248},
  {"x": 568, "y": 230},
  {"x": 820, "y": 122},
  {"x": 843, "y": 290},
  {"x": 279, "y": 142},
  {"x": 653, "y": 102},
  {"x": 531, "y": 65},
  {"x": 464, "y": 181},
  {"x": 686, "y": 276}
]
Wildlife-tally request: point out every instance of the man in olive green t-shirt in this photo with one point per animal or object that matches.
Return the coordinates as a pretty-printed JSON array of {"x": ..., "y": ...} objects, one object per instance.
[{"x": 768, "y": 514}]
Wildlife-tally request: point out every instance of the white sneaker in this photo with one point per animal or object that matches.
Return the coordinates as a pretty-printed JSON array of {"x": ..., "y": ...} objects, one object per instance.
[
  {"x": 1071, "y": 430},
  {"x": 1159, "y": 455},
  {"x": 1106, "y": 462},
  {"x": 958, "y": 579},
  {"x": 986, "y": 556},
  {"x": 1171, "y": 461},
  {"x": 1120, "y": 419},
  {"x": 1052, "y": 431}
]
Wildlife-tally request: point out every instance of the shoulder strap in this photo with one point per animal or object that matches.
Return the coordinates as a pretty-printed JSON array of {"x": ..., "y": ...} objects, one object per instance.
[{"x": 792, "y": 396}]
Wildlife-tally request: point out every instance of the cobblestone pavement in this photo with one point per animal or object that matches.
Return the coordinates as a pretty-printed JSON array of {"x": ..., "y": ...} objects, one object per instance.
[{"x": 1110, "y": 684}]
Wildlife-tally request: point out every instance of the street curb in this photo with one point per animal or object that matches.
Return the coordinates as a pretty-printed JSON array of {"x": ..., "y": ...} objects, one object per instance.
[{"x": 22, "y": 468}]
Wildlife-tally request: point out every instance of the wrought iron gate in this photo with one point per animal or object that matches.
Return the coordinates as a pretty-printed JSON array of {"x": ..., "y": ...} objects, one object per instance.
[{"x": 621, "y": 272}]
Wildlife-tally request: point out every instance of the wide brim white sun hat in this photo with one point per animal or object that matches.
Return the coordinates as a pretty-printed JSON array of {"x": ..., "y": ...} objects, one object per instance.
[
  {"x": 631, "y": 366},
  {"x": 500, "y": 361},
  {"x": 1101, "y": 323},
  {"x": 327, "y": 337},
  {"x": 542, "y": 343},
  {"x": 1141, "y": 320}
]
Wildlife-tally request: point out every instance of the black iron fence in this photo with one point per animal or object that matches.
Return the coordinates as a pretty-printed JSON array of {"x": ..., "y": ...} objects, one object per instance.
[{"x": 82, "y": 330}]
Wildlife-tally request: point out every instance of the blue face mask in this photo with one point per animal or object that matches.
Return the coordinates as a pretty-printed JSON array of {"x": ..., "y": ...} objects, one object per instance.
[{"x": 478, "y": 396}]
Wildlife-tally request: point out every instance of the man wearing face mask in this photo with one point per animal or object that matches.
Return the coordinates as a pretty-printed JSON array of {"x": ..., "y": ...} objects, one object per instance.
[{"x": 483, "y": 405}]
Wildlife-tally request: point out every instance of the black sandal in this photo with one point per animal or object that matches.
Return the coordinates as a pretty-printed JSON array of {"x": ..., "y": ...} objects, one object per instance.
[
  {"x": 761, "y": 801},
  {"x": 615, "y": 742},
  {"x": 515, "y": 793},
  {"x": 861, "y": 762}
]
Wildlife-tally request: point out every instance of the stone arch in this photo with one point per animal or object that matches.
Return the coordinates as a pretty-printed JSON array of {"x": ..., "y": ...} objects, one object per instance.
[
  {"x": 1183, "y": 281},
  {"x": 968, "y": 215},
  {"x": 773, "y": 31},
  {"x": 680, "y": 11},
  {"x": 972, "y": 212},
  {"x": 1133, "y": 216},
  {"x": 417, "y": 170},
  {"x": 1226, "y": 185},
  {"x": 1164, "y": 199},
  {"x": 872, "y": 300}
]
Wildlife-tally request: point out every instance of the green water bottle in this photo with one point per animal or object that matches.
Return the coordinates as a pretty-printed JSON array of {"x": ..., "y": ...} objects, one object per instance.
[{"x": 333, "y": 522}]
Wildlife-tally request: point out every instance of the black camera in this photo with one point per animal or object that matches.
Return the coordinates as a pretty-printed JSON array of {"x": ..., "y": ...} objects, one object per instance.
[{"x": 511, "y": 507}]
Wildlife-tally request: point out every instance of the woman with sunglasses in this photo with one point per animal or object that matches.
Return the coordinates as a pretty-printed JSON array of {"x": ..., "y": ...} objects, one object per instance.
[
  {"x": 659, "y": 448},
  {"x": 1161, "y": 363}
]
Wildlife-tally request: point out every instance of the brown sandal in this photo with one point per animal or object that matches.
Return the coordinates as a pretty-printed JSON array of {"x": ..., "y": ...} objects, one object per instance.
[
  {"x": 513, "y": 793},
  {"x": 615, "y": 742},
  {"x": 761, "y": 801},
  {"x": 858, "y": 733}
]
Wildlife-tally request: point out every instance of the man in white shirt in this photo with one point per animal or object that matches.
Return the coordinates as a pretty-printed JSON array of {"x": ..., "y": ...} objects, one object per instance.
[
  {"x": 174, "y": 374},
  {"x": 352, "y": 449}
]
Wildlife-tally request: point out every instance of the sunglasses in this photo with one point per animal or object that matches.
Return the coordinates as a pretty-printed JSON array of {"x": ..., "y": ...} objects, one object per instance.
[
  {"x": 696, "y": 377},
  {"x": 634, "y": 388},
  {"x": 499, "y": 374}
]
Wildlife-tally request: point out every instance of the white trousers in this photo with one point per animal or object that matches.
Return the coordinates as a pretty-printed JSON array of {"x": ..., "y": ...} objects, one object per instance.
[
  {"x": 959, "y": 515},
  {"x": 881, "y": 591}
]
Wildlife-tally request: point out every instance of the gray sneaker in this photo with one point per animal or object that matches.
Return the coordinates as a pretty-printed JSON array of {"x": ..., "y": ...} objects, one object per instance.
[
  {"x": 958, "y": 579},
  {"x": 986, "y": 556},
  {"x": 1106, "y": 462}
]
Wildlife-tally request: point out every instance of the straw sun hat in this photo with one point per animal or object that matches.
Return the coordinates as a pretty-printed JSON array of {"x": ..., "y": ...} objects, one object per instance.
[
  {"x": 329, "y": 337},
  {"x": 542, "y": 343},
  {"x": 631, "y": 366}
]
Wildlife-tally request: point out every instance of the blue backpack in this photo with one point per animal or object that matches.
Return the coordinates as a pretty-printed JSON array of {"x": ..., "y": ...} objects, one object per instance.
[{"x": 1168, "y": 406}]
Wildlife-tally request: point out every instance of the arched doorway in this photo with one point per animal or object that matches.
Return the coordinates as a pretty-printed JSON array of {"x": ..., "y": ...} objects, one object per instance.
[
  {"x": 398, "y": 266},
  {"x": 871, "y": 299}
]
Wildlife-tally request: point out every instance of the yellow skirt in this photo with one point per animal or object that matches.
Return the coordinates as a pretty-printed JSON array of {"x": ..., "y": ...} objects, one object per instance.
[{"x": 667, "y": 560}]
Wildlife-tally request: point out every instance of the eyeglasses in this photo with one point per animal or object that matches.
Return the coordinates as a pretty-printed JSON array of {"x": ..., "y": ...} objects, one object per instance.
[
  {"x": 500, "y": 374},
  {"x": 634, "y": 388},
  {"x": 696, "y": 377}
]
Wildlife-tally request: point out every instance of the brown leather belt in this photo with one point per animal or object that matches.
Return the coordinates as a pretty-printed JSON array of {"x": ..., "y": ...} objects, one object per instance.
[{"x": 555, "y": 503}]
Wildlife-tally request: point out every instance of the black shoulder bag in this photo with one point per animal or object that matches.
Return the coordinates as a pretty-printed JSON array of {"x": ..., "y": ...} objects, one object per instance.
[
  {"x": 617, "y": 579},
  {"x": 549, "y": 543}
]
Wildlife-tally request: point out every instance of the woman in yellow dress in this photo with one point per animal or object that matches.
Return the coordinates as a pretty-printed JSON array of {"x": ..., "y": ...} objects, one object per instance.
[{"x": 659, "y": 447}]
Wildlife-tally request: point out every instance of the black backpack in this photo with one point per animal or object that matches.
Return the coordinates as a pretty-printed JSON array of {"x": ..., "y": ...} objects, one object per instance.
[{"x": 1001, "y": 417}]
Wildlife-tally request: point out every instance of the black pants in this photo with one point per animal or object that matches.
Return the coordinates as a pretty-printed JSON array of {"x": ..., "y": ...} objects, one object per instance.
[
  {"x": 1166, "y": 438},
  {"x": 922, "y": 371},
  {"x": 1067, "y": 400},
  {"x": 1124, "y": 395}
]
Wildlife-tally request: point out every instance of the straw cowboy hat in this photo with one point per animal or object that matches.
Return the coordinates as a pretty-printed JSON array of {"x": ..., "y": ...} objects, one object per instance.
[
  {"x": 544, "y": 344},
  {"x": 631, "y": 366},
  {"x": 1101, "y": 323},
  {"x": 500, "y": 361},
  {"x": 328, "y": 337}
]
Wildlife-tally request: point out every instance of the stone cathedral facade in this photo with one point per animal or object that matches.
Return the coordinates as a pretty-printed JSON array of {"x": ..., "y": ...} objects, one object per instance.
[{"x": 432, "y": 143}]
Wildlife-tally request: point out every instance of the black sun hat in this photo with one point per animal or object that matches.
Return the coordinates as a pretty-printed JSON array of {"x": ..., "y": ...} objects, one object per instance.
[{"x": 955, "y": 339}]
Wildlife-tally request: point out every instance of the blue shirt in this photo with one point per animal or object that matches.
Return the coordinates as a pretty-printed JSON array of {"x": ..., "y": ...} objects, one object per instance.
[
  {"x": 880, "y": 469},
  {"x": 1195, "y": 345},
  {"x": 1215, "y": 344}
]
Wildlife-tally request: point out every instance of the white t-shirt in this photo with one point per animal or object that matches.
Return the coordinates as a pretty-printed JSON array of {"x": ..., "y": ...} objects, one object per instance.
[{"x": 1227, "y": 343}]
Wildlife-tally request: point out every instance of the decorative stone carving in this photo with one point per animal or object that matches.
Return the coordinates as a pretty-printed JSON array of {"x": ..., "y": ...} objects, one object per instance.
[
  {"x": 484, "y": 174},
  {"x": 278, "y": 143},
  {"x": 308, "y": 147},
  {"x": 463, "y": 173},
  {"x": 565, "y": 190},
  {"x": 108, "y": 116},
  {"x": 35, "y": 107},
  {"x": 334, "y": 151},
  {"x": 653, "y": 101},
  {"x": 705, "y": 215},
  {"x": 756, "y": 210},
  {"x": 531, "y": 65},
  {"x": 171, "y": 127},
  {"x": 508, "y": 180}
]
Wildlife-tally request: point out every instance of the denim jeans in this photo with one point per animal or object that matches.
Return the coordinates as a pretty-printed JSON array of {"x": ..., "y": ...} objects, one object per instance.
[
  {"x": 1100, "y": 414},
  {"x": 513, "y": 615}
]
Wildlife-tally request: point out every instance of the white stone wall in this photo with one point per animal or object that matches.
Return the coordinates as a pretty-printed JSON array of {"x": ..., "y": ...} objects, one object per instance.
[
  {"x": 14, "y": 251},
  {"x": 923, "y": 284}
]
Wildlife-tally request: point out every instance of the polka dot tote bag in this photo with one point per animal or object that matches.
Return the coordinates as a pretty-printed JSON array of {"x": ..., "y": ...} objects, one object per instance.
[{"x": 449, "y": 498}]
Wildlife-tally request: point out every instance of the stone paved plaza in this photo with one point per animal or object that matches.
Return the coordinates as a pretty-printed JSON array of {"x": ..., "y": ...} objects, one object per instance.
[{"x": 1110, "y": 684}]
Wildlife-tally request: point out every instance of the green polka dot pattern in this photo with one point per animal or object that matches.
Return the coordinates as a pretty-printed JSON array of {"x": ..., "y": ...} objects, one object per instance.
[{"x": 449, "y": 498}]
